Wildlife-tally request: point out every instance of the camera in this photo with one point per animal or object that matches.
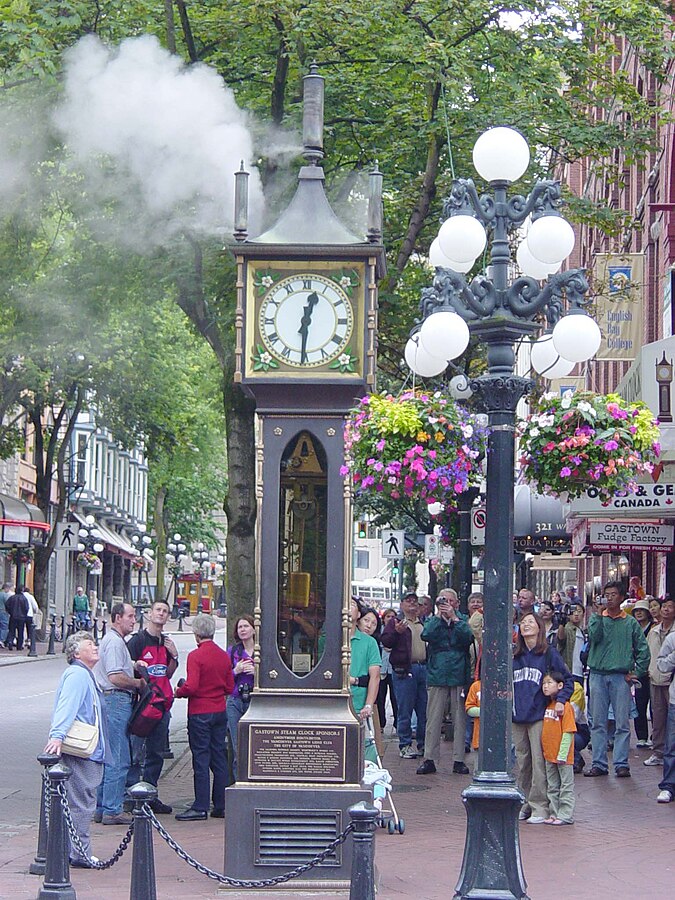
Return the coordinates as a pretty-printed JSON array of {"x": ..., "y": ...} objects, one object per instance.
[
  {"x": 180, "y": 682},
  {"x": 245, "y": 692}
]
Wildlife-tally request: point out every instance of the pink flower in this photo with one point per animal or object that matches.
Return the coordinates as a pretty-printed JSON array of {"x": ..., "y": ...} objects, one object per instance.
[
  {"x": 565, "y": 472},
  {"x": 344, "y": 470},
  {"x": 379, "y": 446}
]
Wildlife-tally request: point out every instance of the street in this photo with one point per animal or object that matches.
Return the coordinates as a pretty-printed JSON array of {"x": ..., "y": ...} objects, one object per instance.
[{"x": 27, "y": 691}]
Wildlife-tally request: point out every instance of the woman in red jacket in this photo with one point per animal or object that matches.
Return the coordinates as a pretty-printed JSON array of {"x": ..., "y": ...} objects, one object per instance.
[{"x": 208, "y": 684}]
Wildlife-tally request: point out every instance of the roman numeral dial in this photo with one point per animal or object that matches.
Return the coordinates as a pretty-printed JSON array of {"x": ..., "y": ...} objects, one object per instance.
[{"x": 306, "y": 320}]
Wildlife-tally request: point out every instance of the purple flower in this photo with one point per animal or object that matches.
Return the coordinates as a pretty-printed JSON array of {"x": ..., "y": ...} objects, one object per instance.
[
  {"x": 611, "y": 445},
  {"x": 379, "y": 446},
  {"x": 344, "y": 470},
  {"x": 565, "y": 472}
]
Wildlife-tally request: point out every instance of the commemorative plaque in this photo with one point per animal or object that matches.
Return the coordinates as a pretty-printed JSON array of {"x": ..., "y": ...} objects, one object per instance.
[{"x": 297, "y": 753}]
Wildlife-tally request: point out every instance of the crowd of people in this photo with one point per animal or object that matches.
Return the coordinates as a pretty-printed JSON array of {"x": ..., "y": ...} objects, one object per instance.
[
  {"x": 579, "y": 676},
  {"x": 106, "y": 688}
]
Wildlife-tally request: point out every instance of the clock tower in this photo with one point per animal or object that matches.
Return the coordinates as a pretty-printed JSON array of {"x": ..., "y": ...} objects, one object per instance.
[{"x": 305, "y": 350}]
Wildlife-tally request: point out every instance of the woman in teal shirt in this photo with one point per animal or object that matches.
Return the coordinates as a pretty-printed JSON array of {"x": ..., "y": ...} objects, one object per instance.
[{"x": 365, "y": 662}]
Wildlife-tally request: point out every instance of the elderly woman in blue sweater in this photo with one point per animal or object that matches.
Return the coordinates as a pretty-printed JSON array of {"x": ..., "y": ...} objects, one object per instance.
[
  {"x": 532, "y": 659},
  {"x": 77, "y": 698}
]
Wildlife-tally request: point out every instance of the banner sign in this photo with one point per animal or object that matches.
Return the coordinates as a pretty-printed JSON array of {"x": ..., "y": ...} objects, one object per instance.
[
  {"x": 618, "y": 298},
  {"x": 657, "y": 498},
  {"x": 630, "y": 536}
]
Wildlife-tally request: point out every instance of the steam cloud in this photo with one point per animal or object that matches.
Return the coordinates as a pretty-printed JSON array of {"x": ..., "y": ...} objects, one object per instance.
[{"x": 156, "y": 142}]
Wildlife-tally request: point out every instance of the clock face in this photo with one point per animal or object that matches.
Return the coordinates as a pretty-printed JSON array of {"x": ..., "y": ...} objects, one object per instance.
[
  {"x": 663, "y": 373},
  {"x": 306, "y": 320}
]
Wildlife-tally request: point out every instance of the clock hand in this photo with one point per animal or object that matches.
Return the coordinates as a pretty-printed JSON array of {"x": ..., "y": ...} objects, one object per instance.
[{"x": 305, "y": 322}]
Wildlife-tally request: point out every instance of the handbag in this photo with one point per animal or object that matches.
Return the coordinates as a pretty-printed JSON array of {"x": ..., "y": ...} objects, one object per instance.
[{"x": 82, "y": 738}]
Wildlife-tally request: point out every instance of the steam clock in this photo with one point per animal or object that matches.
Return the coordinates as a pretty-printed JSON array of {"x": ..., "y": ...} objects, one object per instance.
[{"x": 305, "y": 349}]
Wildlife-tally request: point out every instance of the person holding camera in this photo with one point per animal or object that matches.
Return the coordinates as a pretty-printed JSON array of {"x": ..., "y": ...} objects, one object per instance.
[
  {"x": 241, "y": 657},
  {"x": 571, "y": 640}
]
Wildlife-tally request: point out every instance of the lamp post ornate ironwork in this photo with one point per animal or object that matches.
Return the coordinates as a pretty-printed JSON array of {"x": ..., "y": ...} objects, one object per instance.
[
  {"x": 500, "y": 311},
  {"x": 143, "y": 561},
  {"x": 90, "y": 547},
  {"x": 174, "y": 557},
  {"x": 201, "y": 557}
]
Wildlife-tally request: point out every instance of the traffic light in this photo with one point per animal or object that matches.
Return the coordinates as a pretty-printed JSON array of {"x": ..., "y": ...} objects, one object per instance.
[
  {"x": 363, "y": 530},
  {"x": 394, "y": 569}
]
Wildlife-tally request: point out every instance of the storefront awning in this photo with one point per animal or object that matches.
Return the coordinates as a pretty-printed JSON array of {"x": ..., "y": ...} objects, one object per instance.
[
  {"x": 111, "y": 540},
  {"x": 538, "y": 522},
  {"x": 17, "y": 520}
]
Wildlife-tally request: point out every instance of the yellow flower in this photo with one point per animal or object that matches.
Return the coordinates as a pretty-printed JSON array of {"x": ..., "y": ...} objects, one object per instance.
[
  {"x": 422, "y": 436},
  {"x": 440, "y": 437}
]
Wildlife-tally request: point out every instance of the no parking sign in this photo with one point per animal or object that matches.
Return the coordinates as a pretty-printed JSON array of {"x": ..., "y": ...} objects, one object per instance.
[{"x": 478, "y": 522}]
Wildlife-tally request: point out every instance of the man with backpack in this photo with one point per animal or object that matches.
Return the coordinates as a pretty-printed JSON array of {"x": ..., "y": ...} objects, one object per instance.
[{"x": 156, "y": 653}]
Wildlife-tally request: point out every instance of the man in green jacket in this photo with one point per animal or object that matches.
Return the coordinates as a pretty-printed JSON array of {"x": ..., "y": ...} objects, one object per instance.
[
  {"x": 448, "y": 638},
  {"x": 617, "y": 655}
]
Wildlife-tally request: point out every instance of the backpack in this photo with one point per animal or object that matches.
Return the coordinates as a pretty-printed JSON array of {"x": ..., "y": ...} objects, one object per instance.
[{"x": 148, "y": 710}]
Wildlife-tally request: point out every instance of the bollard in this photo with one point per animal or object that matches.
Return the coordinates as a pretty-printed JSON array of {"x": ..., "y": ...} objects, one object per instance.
[
  {"x": 33, "y": 645},
  {"x": 37, "y": 867},
  {"x": 52, "y": 639},
  {"x": 56, "y": 885},
  {"x": 180, "y": 621},
  {"x": 103, "y": 630},
  {"x": 143, "y": 885},
  {"x": 362, "y": 884}
]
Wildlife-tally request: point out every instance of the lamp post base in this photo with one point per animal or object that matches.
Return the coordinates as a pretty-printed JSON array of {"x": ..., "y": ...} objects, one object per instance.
[{"x": 492, "y": 868}]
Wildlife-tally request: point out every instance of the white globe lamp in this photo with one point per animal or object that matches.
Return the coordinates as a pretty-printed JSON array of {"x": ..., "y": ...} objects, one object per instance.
[
  {"x": 462, "y": 238},
  {"x": 439, "y": 260},
  {"x": 444, "y": 335},
  {"x": 577, "y": 336},
  {"x": 547, "y": 361},
  {"x": 550, "y": 239},
  {"x": 421, "y": 362},
  {"x": 435, "y": 509},
  {"x": 501, "y": 154},
  {"x": 528, "y": 265}
]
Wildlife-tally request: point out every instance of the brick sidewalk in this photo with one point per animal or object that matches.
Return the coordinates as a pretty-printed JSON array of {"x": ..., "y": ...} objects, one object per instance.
[{"x": 619, "y": 848}]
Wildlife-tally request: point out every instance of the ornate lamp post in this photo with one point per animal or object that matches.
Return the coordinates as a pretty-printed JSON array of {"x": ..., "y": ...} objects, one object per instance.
[
  {"x": 174, "y": 558},
  {"x": 143, "y": 561},
  {"x": 89, "y": 547},
  {"x": 201, "y": 558},
  {"x": 500, "y": 311}
]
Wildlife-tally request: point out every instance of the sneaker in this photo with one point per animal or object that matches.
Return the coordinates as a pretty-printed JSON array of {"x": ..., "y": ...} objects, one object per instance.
[
  {"x": 98, "y": 817},
  {"x": 84, "y": 863},
  {"x": 408, "y": 752},
  {"x": 641, "y": 745},
  {"x": 536, "y": 820},
  {"x": 460, "y": 768},
  {"x": 653, "y": 760},
  {"x": 664, "y": 797},
  {"x": 120, "y": 819},
  {"x": 428, "y": 767},
  {"x": 623, "y": 772},
  {"x": 524, "y": 814}
]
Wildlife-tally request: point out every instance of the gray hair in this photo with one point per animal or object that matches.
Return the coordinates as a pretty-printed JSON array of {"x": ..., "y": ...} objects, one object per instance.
[
  {"x": 74, "y": 643},
  {"x": 204, "y": 626}
]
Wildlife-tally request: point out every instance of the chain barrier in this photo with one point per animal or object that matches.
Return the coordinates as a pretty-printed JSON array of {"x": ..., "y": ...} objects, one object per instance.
[
  {"x": 47, "y": 795},
  {"x": 263, "y": 882},
  {"x": 77, "y": 843}
]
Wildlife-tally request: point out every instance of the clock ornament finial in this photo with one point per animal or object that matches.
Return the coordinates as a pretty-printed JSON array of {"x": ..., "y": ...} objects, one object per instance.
[{"x": 312, "y": 115}]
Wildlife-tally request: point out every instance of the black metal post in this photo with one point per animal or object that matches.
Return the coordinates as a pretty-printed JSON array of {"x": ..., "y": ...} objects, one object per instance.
[
  {"x": 51, "y": 651},
  {"x": 362, "y": 883},
  {"x": 56, "y": 885},
  {"x": 143, "y": 882},
  {"x": 64, "y": 634},
  {"x": 103, "y": 630},
  {"x": 464, "y": 549},
  {"x": 492, "y": 866},
  {"x": 37, "y": 867},
  {"x": 33, "y": 640}
]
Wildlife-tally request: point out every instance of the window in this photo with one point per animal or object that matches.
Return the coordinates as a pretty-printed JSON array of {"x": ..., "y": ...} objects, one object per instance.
[{"x": 361, "y": 559}]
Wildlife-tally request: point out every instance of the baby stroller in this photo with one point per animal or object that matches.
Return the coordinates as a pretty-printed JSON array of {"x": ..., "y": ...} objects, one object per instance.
[{"x": 380, "y": 780}]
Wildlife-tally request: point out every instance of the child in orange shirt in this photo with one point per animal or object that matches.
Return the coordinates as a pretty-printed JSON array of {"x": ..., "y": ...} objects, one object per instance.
[
  {"x": 472, "y": 706},
  {"x": 557, "y": 740}
]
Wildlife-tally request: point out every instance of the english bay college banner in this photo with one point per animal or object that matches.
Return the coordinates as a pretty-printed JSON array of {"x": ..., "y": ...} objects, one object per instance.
[{"x": 618, "y": 291}]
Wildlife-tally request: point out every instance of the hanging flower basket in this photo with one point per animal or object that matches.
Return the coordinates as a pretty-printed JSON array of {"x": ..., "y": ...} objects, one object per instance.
[
  {"x": 417, "y": 445},
  {"x": 174, "y": 568},
  {"x": 138, "y": 563},
  {"x": 20, "y": 556},
  {"x": 88, "y": 560},
  {"x": 578, "y": 440}
]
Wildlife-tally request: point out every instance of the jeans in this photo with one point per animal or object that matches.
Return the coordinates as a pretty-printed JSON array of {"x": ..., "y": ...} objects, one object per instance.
[
  {"x": 82, "y": 620},
  {"x": 117, "y": 710},
  {"x": 147, "y": 753},
  {"x": 207, "y": 733},
  {"x": 531, "y": 766},
  {"x": 4, "y": 626},
  {"x": 606, "y": 689},
  {"x": 668, "y": 781},
  {"x": 235, "y": 710},
  {"x": 641, "y": 701},
  {"x": 411, "y": 695},
  {"x": 659, "y": 706},
  {"x": 16, "y": 629}
]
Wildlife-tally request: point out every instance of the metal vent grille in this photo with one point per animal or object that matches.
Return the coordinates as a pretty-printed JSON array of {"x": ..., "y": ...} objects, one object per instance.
[{"x": 289, "y": 837}]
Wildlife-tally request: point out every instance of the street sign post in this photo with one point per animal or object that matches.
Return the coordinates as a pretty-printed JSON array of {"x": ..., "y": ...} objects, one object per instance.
[
  {"x": 393, "y": 544},
  {"x": 431, "y": 546},
  {"x": 478, "y": 522}
]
